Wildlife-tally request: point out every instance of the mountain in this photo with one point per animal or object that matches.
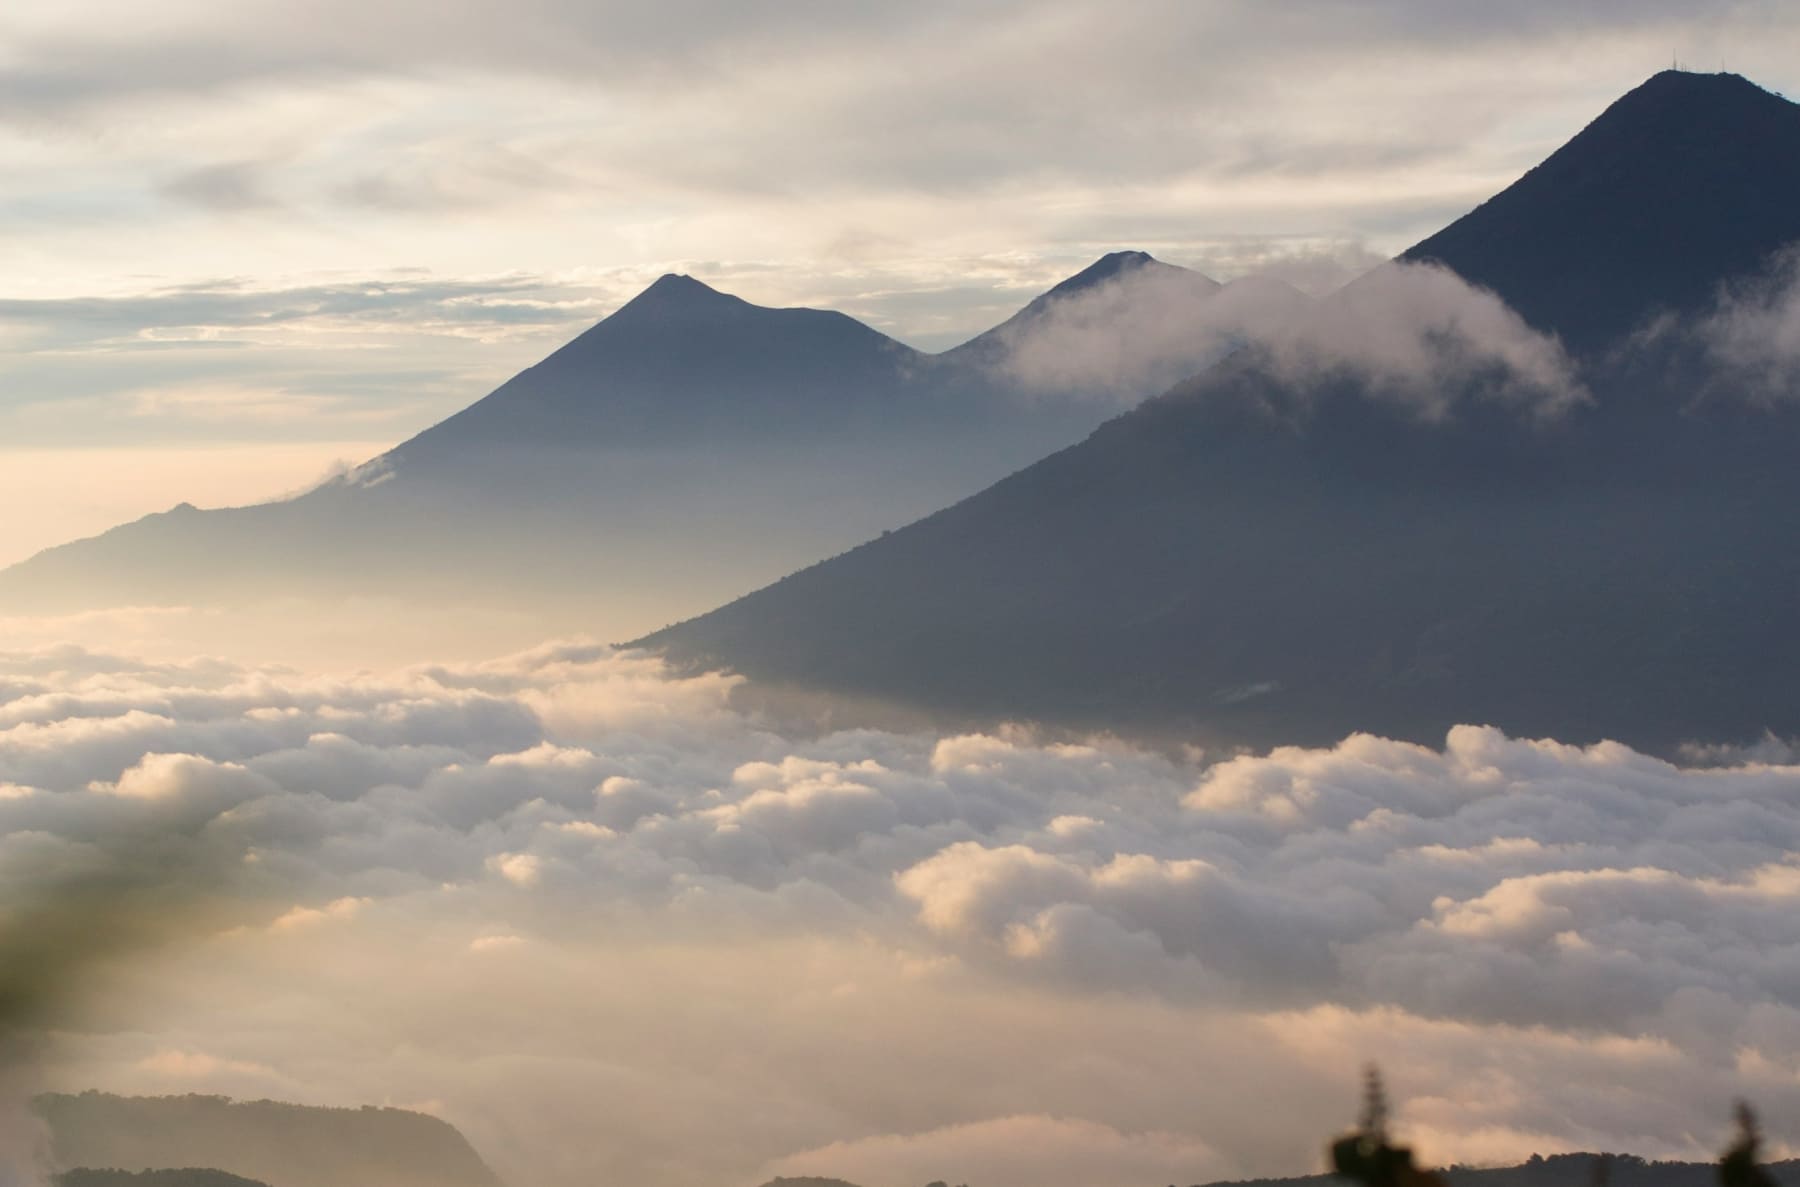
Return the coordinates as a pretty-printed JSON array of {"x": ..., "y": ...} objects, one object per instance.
[
  {"x": 688, "y": 447},
  {"x": 1126, "y": 326},
  {"x": 1114, "y": 272},
  {"x": 681, "y": 362},
  {"x": 279, "y": 1144},
  {"x": 1278, "y": 554},
  {"x": 1688, "y": 179}
]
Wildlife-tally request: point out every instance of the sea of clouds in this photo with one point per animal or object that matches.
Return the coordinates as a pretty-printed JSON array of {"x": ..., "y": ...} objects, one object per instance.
[{"x": 617, "y": 929}]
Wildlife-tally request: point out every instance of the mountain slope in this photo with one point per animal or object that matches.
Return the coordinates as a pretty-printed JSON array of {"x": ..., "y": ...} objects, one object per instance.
[
  {"x": 682, "y": 361},
  {"x": 1686, "y": 180},
  {"x": 688, "y": 447},
  {"x": 280, "y": 1144},
  {"x": 1264, "y": 555}
]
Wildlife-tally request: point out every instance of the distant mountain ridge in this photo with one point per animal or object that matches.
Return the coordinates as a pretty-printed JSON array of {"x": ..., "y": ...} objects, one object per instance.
[
  {"x": 282, "y": 1145},
  {"x": 685, "y": 448},
  {"x": 1261, "y": 556}
]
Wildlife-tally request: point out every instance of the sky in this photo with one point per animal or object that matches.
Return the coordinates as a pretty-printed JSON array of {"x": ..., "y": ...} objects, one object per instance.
[{"x": 242, "y": 243}]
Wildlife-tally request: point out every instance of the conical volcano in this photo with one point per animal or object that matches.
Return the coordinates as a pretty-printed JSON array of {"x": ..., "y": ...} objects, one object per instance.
[
  {"x": 682, "y": 362},
  {"x": 1382, "y": 524},
  {"x": 1683, "y": 182}
]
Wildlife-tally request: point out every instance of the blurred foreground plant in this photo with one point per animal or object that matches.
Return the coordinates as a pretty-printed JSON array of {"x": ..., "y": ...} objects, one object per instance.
[
  {"x": 1738, "y": 1167},
  {"x": 1367, "y": 1156}
]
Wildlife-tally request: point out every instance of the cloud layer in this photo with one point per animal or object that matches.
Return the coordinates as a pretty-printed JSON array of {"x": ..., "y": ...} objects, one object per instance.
[{"x": 610, "y": 925}]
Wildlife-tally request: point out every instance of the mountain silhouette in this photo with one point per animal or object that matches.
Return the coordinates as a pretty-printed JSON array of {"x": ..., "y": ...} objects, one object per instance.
[
  {"x": 682, "y": 361},
  {"x": 1267, "y": 555},
  {"x": 1125, "y": 326},
  {"x": 266, "y": 1141},
  {"x": 1684, "y": 181},
  {"x": 688, "y": 447}
]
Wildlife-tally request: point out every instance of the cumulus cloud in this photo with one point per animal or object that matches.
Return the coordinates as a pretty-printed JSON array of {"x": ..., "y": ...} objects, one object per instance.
[
  {"x": 1414, "y": 335},
  {"x": 869, "y": 953},
  {"x": 1423, "y": 337}
]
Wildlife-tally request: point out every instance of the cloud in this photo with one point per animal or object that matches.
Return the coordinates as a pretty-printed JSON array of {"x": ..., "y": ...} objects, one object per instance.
[
  {"x": 1011, "y": 1152},
  {"x": 174, "y": 369},
  {"x": 521, "y": 869},
  {"x": 915, "y": 949},
  {"x": 1752, "y": 334},
  {"x": 226, "y": 188},
  {"x": 1422, "y": 337},
  {"x": 1138, "y": 332},
  {"x": 1413, "y": 335},
  {"x": 214, "y": 310},
  {"x": 344, "y": 908},
  {"x": 1316, "y": 265}
]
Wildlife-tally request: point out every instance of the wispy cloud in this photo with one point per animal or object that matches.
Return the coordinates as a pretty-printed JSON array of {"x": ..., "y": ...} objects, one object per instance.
[
  {"x": 212, "y": 310},
  {"x": 1752, "y": 335}
]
